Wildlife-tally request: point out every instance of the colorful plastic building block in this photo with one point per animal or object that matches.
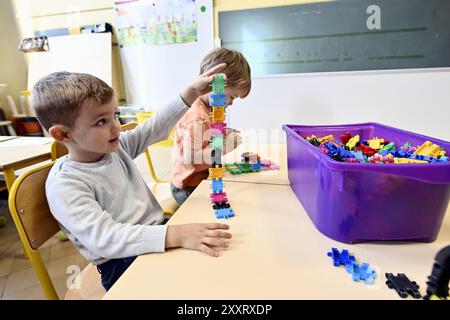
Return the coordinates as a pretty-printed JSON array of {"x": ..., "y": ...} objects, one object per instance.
[
  {"x": 249, "y": 157},
  {"x": 216, "y": 173},
  {"x": 388, "y": 147},
  {"x": 218, "y": 114},
  {"x": 343, "y": 258},
  {"x": 429, "y": 149},
  {"x": 352, "y": 142},
  {"x": 402, "y": 285},
  {"x": 363, "y": 272},
  {"x": 219, "y": 127},
  {"x": 326, "y": 139},
  {"x": 377, "y": 150},
  {"x": 218, "y": 84},
  {"x": 366, "y": 150},
  {"x": 217, "y": 185},
  {"x": 217, "y": 99},
  {"x": 217, "y": 142},
  {"x": 216, "y": 157},
  {"x": 406, "y": 160},
  {"x": 224, "y": 213},
  {"x": 219, "y": 197},
  {"x": 233, "y": 168},
  {"x": 345, "y": 137},
  {"x": 376, "y": 143}
]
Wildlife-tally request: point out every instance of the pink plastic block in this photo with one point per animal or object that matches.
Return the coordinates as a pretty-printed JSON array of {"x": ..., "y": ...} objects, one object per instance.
[
  {"x": 219, "y": 127},
  {"x": 269, "y": 165},
  {"x": 219, "y": 197}
]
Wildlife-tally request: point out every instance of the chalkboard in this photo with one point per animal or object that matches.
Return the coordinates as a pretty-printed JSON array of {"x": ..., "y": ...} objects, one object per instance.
[{"x": 341, "y": 36}]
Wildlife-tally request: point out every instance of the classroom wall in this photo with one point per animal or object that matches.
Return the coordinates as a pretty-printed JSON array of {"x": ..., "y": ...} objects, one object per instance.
[
  {"x": 12, "y": 64},
  {"x": 41, "y": 15},
  {"x": 416, "y": 100}
]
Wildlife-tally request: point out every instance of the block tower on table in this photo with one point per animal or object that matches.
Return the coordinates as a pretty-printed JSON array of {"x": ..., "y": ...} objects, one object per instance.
[{"x": 217, "y": 102}]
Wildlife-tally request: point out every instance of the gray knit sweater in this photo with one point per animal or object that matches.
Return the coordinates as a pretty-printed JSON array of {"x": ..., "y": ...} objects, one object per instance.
[{"x": 105, "y": 207}]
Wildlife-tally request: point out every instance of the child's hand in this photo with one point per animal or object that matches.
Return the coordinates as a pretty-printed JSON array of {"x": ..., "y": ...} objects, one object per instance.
[
  {"x": 203, "y": 237},
  {"x": 233, "y": 139},
  {"x": 201, "y": 85}
]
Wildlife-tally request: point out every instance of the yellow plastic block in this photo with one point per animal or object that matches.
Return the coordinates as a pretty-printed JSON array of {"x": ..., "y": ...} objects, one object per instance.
[
  {"x": 218, "y": 114},
  {"x": 376, "y": 143},
  {"x": 216, "y": 173},
  {"x": 428, "y": 149},
  {"x": 326, "y": 138},
  {"x": 353, "y": 141},
  {"x": 406, "y": 161}
]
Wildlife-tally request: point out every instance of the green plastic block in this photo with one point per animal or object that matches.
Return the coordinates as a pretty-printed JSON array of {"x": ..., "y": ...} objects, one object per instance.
[
  {"x": 218, "y": 84},
  {"x": 217, "y": 142}
]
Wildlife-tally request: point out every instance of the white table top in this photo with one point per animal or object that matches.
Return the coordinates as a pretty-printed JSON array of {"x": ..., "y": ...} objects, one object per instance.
[
  {"x": 16, "y": 152},
  {"x": 276, "y": 253},
  {"x": 274, "y": 152}
]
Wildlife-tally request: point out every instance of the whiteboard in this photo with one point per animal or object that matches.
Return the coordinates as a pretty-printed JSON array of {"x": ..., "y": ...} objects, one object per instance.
[
  {"x": 83, "y": 53},
  {"x": 155, "y": 74}
]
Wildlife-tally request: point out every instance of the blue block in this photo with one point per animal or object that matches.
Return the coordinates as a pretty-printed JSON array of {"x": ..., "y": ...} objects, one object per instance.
[
  {"x": 343, "y": 258},
  {"x": 217, "y": 185},
  {"x": 217, "y": 99},
  {"x": 224, "y": 213},
  {"x": 256, "y": 166},
  {"x": 363, "y": 272}
]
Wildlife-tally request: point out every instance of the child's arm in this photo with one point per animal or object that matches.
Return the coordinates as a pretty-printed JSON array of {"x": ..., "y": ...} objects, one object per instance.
[
  {"x": 205, "y": 237},
  {"x": 158, "y": 127},
  {"x": 73, "y": 204},
  {"x": 196, "y": 142}
]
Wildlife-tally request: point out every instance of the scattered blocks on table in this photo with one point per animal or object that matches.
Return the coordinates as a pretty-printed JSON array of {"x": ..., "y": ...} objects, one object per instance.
[{"x": 402, "y": 285}]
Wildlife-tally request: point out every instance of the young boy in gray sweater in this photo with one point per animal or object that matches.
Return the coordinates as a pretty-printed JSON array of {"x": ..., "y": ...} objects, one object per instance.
[{"x": 96, "y": 192}]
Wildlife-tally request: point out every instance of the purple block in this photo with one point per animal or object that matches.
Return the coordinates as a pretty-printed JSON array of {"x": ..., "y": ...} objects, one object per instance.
[{"x": 359, "y": 202}]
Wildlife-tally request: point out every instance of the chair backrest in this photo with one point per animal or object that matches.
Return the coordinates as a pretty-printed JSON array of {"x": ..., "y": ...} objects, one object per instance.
[
  {"x": 57, "y": 150},
  {"x": 128, "y": 126},
  {"x": 33, "y": 220},
  {"x": 35, "y": 224}
]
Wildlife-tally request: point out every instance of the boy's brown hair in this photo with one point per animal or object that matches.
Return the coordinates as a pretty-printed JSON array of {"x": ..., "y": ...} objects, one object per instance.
[
  {"x": 238, "y": 70},
  {"x": 57, "y": 98}
]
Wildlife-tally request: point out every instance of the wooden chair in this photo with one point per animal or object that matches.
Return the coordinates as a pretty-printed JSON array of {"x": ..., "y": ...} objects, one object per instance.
[
  {"x": 169, "y": 204},
  {"x": 35, "y": 224},
  {"x": 58, "y": 149}
]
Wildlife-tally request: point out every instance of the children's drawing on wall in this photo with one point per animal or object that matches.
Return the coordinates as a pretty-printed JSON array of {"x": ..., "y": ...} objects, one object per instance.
[{"x": 163, "y": 22}]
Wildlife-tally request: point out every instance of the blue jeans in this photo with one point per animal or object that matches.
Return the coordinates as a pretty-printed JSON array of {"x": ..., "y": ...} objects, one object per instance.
[
  {"x": 181, "y": 195},
  {"x": 112, "y": 270}
]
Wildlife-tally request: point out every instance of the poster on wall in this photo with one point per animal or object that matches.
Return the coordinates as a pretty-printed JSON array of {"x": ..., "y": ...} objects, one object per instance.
[
  {"x": 161, "y": 45},
  {"x": 155, "y": 22}
]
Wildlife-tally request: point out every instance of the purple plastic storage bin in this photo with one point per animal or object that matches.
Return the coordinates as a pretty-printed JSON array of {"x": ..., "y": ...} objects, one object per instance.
[{"x": 356, "y": 202}]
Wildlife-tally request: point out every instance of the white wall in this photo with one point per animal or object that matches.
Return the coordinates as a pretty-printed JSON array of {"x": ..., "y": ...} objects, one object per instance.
[
  {"x": 414, "y": 100},
  {"x": 13, "y": 70}
]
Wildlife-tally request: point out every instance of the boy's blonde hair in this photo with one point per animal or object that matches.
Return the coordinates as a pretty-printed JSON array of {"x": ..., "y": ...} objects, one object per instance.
[
  {"x": 237, "y": 70},
  {"x": 58, "y": 97}
]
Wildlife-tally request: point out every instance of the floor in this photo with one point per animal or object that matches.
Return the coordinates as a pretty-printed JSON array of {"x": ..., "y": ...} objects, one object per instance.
[{"x": 17, "y": 278}]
